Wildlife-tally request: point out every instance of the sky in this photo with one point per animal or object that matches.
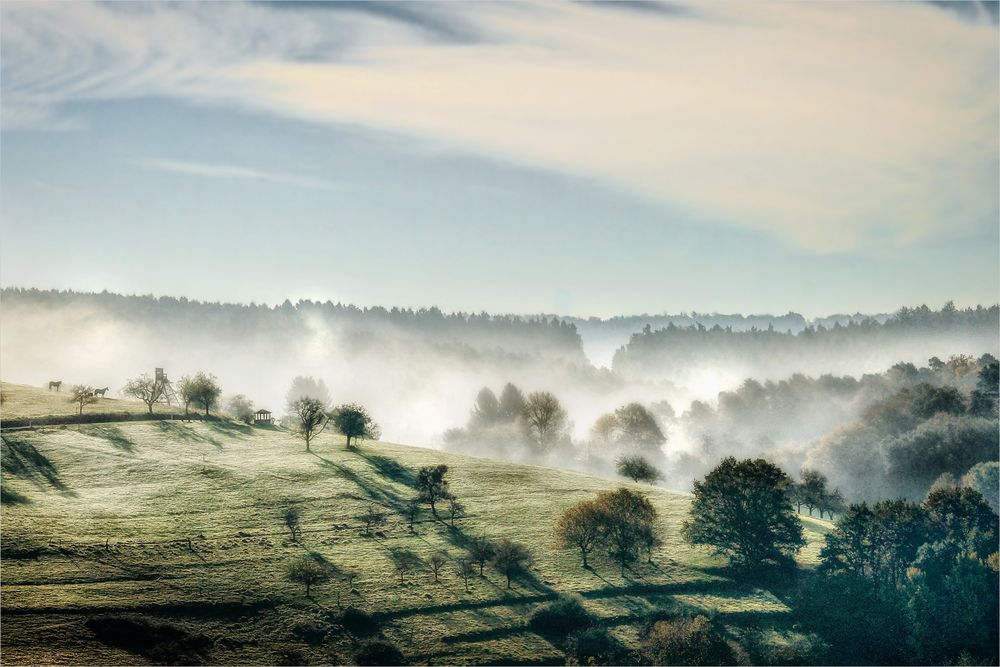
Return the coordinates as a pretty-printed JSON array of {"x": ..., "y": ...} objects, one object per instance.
[{"x": 586, "y": 159}]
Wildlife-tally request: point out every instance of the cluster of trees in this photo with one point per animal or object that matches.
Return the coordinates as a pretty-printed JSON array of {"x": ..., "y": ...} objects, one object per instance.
[
  {"x": 902, "y": 444},
  {"x": 812, "y": 492},
  {"x": 902, "y": 582},
  {"x": 201, "y": 390},
  {"x": 310, "y": 413},
  {"x": 621, "y": 522},
  {"x": 514, "y": 424}
]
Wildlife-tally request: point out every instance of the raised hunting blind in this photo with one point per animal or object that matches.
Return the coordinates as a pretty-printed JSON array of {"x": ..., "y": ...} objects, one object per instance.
[{"x": 167, "y": 395}]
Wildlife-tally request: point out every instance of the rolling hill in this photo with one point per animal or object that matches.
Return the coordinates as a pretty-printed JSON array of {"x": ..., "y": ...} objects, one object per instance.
[{"x": 179, "y": 524}]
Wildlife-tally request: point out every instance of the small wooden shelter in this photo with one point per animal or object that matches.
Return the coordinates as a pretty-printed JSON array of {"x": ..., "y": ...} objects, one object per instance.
[{"x": 263, "y": 418}]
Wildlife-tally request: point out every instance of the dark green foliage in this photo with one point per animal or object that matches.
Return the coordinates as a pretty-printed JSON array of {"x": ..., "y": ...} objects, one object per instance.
[
  {"x": 985, "y": 478},
  {"x": 685, "y": 641},
  {"x": 432, "y": 485},
  {"x": 353, "y": 422},
  {"x": 901, "y": 582},
  {"x": 637, "y": 469},
  {"x": 511, "y": 559},
  {"x": 626, "y": 524},
  {"x": 560, "y": 617},
  {"x": 160, "y": 642},
  {"x": 741, "y": 510},
  {"x": 984, "y": 396},
  {"x": 358, "y": 622},
  {"x": 596, "y": 646},
  {"x": 311, "y": 631},
  {"x": 796, "y": 649},
  {"x": 379, "y": 652}
]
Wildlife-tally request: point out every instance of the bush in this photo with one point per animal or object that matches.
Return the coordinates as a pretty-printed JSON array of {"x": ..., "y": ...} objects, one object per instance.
[
  {"x": 560, "y": 617},
  {"x": 358, "y": 622},
  {"x": 685, "y": 641},
  {"x": 379, "y": 652},
  {"x": 595, "y": 646},
  {"x": 310, "y": 631}
]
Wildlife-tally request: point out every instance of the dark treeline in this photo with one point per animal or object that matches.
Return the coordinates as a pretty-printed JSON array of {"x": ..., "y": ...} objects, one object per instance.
[
  {"x": 510, "y": 332},
  {"x": 772, "y": 352}
]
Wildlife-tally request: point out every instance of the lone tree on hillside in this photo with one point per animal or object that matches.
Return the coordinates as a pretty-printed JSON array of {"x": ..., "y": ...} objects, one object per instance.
[
  {"x": 638, "y": 469},
  {"x": 354, "y": 422},
  {"x": 456, "y": 510},
  {"x": 466, "y": 568},
  {"x": 412, "y": 513},
  {"x": 292, "y": 518},
  {"x": 145, "y": 389},
  {"x": 373, "y": 517},
  {"x": 432, "y": 485},
  {"x": 580, "y": 527},
  {"x": 511, "y": 558},
  {"x": 545, "y": 418},
  {"x": 81, "y": 395},
  {"x": 627, "y": 524},
  {"x": 310, "y": 418},
  {"x": 638, "y": 427},
  {"x": 204, "y": 391},
  {"x": 481, "y": 551},
  {"x": 436, "y": 562},
  {"x": 404, "y": 561},
  {"x": 741, "y": 509},
  {"x": 307, "y": 571}
]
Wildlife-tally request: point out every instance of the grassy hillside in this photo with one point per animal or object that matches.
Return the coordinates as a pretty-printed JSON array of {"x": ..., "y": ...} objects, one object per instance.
[
  {"x": 181, "y": 522},
  {"x": 21, "y": 401}
]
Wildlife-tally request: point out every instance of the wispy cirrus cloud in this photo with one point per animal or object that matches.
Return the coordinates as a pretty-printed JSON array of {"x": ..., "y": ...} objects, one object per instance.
[
  {"x": 225, "y": 171},
  {"x": 833, "y": 126}
]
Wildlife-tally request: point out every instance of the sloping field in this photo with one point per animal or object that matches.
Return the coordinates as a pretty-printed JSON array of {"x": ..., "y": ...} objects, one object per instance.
[
  {"x": 181, "y": 522},
  {"x": 21, "y": 401}
]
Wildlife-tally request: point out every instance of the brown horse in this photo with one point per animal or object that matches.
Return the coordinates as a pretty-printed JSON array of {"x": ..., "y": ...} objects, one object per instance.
[
  {"x": 100, "y": 392},
  {"x": 55, "y": 384}
]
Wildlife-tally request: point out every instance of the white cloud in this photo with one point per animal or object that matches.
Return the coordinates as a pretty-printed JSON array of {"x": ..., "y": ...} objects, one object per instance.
[
  {"x": 832, "y": 125},
  {"x": 234, "y": 172}
]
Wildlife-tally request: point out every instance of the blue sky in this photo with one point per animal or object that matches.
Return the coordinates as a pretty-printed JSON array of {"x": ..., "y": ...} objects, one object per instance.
[{"x": 576, "y": 158}]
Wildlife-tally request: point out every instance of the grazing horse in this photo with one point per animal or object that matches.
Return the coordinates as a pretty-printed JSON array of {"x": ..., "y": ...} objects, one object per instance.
[
  {"x": 100, "y": 392},
  {"x": 55, "y": 384}
]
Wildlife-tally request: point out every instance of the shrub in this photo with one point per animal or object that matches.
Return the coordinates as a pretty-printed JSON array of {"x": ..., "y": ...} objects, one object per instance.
[
  {"x": 560, "y": 617},
  {"x": 379, "y": 652},
  {"x": 685, "y": 641},
  {"x": 358, "y": 622},
  {"x": 595, "y": 646}
]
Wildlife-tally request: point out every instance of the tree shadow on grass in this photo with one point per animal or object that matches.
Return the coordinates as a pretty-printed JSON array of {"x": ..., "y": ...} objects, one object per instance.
[
  {"x": 20, "y": 458},
  {"x": 390, "y": 468},
  {"x": 114, "y": 435},
  {"x": 382, "y": 495},
  {"x": 231, "y": 428},
  {"x": 186, "y": 433}
]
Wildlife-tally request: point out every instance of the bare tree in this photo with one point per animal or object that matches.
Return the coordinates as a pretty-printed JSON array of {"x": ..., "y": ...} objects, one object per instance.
[
  {"x": 310, "y": 418},
  {"x": 466, "y": 568},
  {"x": 373, "y": 517},
  {"x": 511, "y": 558},
  {"x": 412, "y": 512},
  {"x": 82, "y": 394},
  {"x": 436, "y": 562},
  {"x": 292, "y": 522},
  {"x": 456, "y": 509},
  {"x": 350, "y": 575},
  {"x": 404, "y": 561},
  {"x": 307, "y": 571},
  {"x": 145, "y": 389},
  {"x": 545, "y": 418},
  {"x": 481, "y": 551},
  {"x": 580, "y": 527}
]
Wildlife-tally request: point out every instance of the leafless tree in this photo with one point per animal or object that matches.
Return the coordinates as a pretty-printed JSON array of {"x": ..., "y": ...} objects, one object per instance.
[{"x": 145, "y": 389}]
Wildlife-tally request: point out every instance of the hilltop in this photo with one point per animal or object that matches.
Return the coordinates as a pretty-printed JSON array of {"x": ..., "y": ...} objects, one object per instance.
[{"x": 180, "y": 523}]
